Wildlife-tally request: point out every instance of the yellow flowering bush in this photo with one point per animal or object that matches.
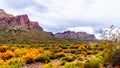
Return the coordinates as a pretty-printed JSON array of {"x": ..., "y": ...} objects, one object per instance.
[
  {"x": 20, "y": 51},
  {"x": 3, "y": 48},
  {"x": 8, "y": 54}
]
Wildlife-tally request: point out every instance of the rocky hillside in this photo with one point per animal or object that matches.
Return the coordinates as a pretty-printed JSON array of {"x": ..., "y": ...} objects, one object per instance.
[
  {"x": 20, "y": 22},
  {"x": 75, "y": 35},
  {"x": 19, "y": 29}
]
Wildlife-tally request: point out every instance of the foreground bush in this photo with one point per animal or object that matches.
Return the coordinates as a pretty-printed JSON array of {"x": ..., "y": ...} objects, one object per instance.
[
  {"x": 93, "y": 63},
  {"x": 43, "y": 58},
  {"x": 8, "y": 54},
  {"x": 61, "y": 54},
  {"x": 73, "y": 65},
  {"x": 68, "y": 59},
  {"x": 70, "y": 65}
]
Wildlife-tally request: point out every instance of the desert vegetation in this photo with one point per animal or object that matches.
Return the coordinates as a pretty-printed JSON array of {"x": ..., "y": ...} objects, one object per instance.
[
  {"x": 104, "y": 53},
  {"x": 67, "y": 55}
]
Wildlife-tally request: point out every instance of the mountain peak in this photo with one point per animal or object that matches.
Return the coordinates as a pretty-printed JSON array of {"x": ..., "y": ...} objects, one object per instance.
[
  {"x": 2, "y": 11},
  {"x": 21, "y": 22}
]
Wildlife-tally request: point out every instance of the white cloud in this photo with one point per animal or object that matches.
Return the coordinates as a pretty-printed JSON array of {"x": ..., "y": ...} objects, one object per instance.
[{"x": 82, "y": 29}]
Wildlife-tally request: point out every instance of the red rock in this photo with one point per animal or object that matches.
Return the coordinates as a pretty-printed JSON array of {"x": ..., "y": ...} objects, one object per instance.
[
  {"x": 2, "y": 11},
  {"x": 20, "y": 21}
]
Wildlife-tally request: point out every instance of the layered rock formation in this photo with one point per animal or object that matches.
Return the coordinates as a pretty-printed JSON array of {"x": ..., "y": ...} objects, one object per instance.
[
  {"x": 20, "y": 22},
  {"x": 4, "y": 14},
  {"x": 74, "y": 35}
]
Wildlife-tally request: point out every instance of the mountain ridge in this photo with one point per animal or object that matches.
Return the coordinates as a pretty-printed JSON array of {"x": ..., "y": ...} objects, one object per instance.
[
  {"x": 20, "y": 29},
  {"x": 75, "y": 35}
]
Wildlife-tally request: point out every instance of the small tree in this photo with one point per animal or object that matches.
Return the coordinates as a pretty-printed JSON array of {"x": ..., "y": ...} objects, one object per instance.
[{"x": 111, "y": 38}]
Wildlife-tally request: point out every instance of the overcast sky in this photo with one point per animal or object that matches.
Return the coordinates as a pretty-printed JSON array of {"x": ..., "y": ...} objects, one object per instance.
[{"x": 61, "y": 15}]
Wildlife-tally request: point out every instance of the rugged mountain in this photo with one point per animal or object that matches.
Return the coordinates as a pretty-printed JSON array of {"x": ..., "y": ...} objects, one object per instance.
[
  {"x": 4, "y": 14},
  {"x": 19, "y": 29},
  {"x": 20, "y": 22},
  {"x": 75, "y": 35}
]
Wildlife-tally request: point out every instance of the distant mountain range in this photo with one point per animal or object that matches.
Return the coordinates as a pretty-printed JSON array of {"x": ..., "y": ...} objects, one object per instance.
[
  {"x": 19, "y": 29},
  {"x": 76, "y": 35}
]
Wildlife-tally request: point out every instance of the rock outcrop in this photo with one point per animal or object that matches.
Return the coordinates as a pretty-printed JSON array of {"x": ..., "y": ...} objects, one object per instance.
[
  {"x": 21, "y": 22},
  {"x": 3, "y": 14},
  {"x": 74, "y": 35}
]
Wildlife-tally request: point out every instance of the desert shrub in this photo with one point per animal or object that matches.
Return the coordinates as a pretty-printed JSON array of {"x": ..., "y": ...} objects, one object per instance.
[
  {"x": 89, "y": 52},
  {"x": 80, "y": 58},
  {"x": 73, "y": 51},
  {"x": 1, "y": 55},
  {"x": 79, "y": 64},
  {"x": 47, "y": 52},
  {"x": 72, "y": 65},
  {"x": 93, "y": 63},
  {"x": 8, "y": 54},
  {"x": 20, "y": 51},
  {"x": 114, "y": 58},
  {"x": 40, "y": 49},
  {"x": 59, "y": 49},
  {"x": 2, "y": 61},
  {"x": 53, "y": 56},
  {"x": 13, "y": 61},
  {"x": 30, "y": 57},
  {"x": 43, "y": 58},
  {"x": 12, "y": 48},
  {"x": 101, "y": 58},
  {"x": 61, "y": 54},
  {"x": 64, "y": 47},
  {"x": 67, "y": 50},
  {"x": 17, "y": 65},
  {"x": 49, "y": 65},
  {"x": 68, "y": 59},
  {"x": 3, "y": 48},
  {"x": 62, "y": 63},
  {"x": 80, "y": 47}
]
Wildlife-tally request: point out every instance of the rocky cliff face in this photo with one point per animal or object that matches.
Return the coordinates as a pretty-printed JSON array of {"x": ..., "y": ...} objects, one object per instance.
[
  {"x": 20, "y": 22},
  {"x": 74, "y": 35},
  {"x": 19, "y": 29},
  {"x": 4, "y": 14}
]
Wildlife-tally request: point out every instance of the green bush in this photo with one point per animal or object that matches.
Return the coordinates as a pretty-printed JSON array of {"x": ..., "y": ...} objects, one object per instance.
[
  {"x": 62, "y": 63},
  {"x": 43, "y": 58},
  {"x": 73, "y": 51},
  {"x": 71, "y": 65},
  {"x": 53, "y": 56},
  {"x": 93, "y": 63},
  {"x": 80, "y": 58},
  {"x": 68, "y": 59},
  {"x": 49, "y": 65},
  {"x": 61, "y": 54},
  {"x": 67, "y": 50}
]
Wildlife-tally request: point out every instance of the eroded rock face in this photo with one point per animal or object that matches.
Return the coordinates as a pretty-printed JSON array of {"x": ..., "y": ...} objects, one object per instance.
[
  {"x": 4, "y": 14},
  {"x": 21, "y": 22},
  {"x": 74, "y": 35},
  {"x": 49, "y": 33},
  {"x": 2, "y": 11}
]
